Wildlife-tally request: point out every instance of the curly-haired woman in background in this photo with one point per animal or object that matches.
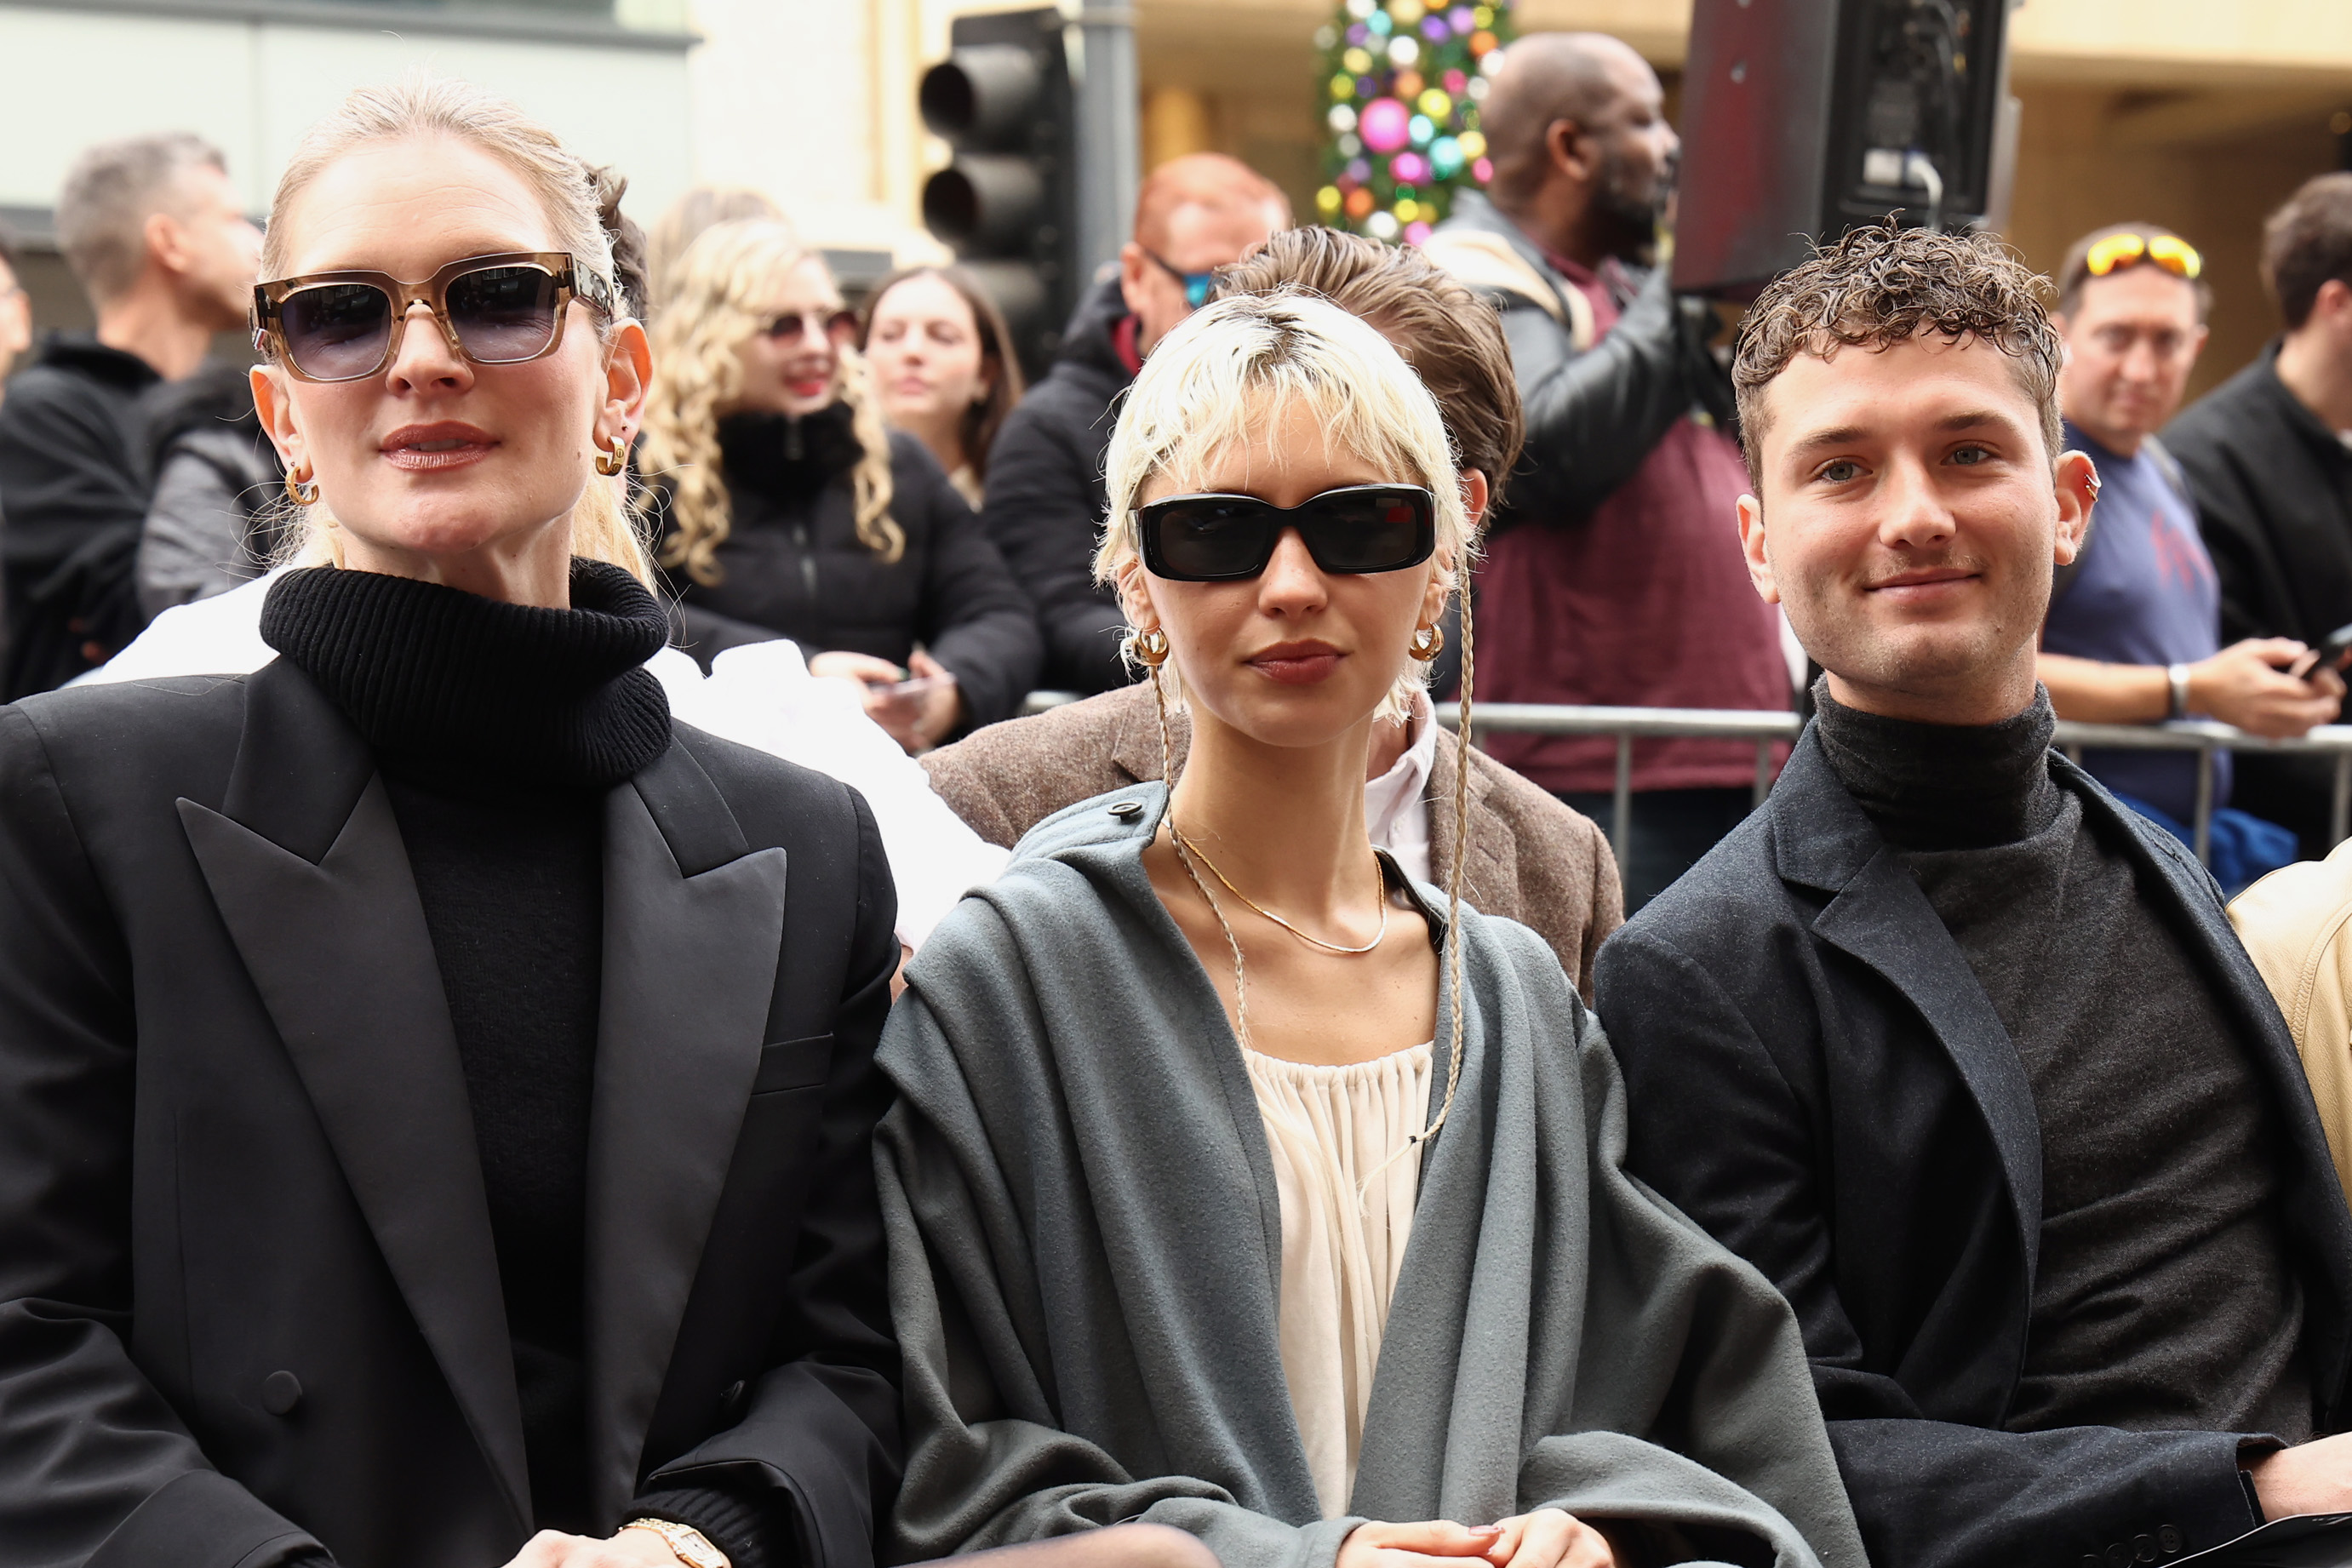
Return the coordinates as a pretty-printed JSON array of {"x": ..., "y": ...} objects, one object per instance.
[{"x": 787, "y": 509}]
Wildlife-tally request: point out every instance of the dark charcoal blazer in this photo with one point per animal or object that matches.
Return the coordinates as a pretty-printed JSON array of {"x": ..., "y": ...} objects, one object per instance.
[
  {"x": 247, "y": 1293},
  {"x": 1816, "y": 1077}
]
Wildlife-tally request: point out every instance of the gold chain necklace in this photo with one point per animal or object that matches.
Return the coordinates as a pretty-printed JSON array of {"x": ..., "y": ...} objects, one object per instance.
[{"x": 1193, "y": 849}]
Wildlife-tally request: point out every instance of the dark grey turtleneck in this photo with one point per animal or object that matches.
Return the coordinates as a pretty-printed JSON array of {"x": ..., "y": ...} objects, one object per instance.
[{"x": 2164, "y": 1299}]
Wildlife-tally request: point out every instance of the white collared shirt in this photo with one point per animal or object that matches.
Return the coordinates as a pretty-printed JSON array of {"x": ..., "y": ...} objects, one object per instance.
[{"x": 1396, "y": 803}]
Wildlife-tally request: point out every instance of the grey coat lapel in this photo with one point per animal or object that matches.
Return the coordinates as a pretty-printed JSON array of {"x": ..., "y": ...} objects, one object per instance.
[
  {"x": 693, "y": 925},
  {"x": 315, "y": 888}
]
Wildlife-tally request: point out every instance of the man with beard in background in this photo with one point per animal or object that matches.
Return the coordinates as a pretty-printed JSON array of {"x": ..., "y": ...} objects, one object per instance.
[{"x": 1614, "y": 576}]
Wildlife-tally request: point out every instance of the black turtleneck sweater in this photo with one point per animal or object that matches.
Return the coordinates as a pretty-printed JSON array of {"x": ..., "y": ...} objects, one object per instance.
[
  {"x": 499, "y": 730},
  {"x": 2163, "y": 1298}
]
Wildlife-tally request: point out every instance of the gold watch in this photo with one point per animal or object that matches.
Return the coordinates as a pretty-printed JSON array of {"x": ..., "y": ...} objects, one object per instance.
[{"x": 691, "y": 1546}]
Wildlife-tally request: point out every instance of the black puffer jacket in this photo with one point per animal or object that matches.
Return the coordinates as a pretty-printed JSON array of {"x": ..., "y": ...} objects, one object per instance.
[
  {"x": 1047, "y": 500},
  {"x": 213, "y": 521},
  {"x": 74, "y": 475},
  {"x": 793, "y": 567}
]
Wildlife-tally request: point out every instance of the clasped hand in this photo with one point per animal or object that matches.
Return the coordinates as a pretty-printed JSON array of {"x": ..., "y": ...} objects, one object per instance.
[
  {"x": 918, "y": 719},
  {"x": 1547, "y": 1537}
]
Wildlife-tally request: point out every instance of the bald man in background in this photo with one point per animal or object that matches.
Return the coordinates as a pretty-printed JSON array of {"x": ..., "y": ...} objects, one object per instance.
[
  {"x": 1045, "y": 495},
  {"x": 1614, "y": 574}
]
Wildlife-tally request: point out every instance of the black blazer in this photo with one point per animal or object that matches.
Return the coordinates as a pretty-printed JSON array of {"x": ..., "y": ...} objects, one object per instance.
[
  {"x": 1816, "y": 1077},
  {"x": 247, "y": 1294},
  {"x": 2273, "y": 488}
]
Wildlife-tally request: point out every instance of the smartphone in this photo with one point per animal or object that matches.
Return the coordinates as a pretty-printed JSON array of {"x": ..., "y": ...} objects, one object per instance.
[
  {"x": 920, "y": 684},
  {"x": 2333, "y": 650}
]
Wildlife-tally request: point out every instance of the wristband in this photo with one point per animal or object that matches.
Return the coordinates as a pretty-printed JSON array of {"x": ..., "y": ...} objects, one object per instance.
[{"x": 2179, "y": 675}]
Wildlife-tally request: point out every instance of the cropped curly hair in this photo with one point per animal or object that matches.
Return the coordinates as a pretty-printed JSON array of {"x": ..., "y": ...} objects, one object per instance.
[{"x": 1881, "y": 286}]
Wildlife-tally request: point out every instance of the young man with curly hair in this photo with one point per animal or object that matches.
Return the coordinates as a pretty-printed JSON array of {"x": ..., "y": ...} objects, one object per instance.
[{"x": 1955, "y": 1049}]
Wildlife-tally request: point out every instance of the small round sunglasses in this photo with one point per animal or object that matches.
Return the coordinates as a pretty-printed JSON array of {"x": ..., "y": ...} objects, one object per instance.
[
  {"x": 1352, "y": 531},
  {"x": 840, "y": 326},
  {"x": 505, "y": 309},
  {"x": 2118, "y": 251}
]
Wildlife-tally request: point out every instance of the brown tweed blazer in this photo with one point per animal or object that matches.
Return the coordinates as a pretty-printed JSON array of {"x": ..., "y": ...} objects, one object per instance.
[{"x": 1532, "y": 859}]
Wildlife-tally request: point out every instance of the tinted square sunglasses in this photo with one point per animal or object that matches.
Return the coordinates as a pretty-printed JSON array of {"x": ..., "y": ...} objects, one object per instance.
[
  {"x": 1349, "y": 532},
  {"x": 505, "y": 309}
]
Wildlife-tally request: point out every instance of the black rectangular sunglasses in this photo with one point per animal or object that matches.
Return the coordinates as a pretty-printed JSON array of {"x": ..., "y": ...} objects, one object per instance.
[{"x": 1226, "y": 537}]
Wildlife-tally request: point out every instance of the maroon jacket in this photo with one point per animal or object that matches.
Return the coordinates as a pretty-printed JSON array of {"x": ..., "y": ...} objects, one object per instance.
[{"x": 1636, "y": 596}]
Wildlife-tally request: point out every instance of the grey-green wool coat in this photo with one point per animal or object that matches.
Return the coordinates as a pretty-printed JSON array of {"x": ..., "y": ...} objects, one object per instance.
[{"x": 1086, "y": 1246}]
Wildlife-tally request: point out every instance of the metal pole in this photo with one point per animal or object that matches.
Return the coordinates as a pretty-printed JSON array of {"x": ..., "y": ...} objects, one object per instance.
[
  {"x": 1109, "y": 145},
  {"x": 1621, "y": 826},
  {"x": 2339, "y": 814},
  {"x": 2204, "y": 844},
  {"x": 1763, "y": 773}
]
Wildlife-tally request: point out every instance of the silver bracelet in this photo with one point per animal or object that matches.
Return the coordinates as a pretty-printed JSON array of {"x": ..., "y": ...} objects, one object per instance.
[{"x": 2178, "y": 674}]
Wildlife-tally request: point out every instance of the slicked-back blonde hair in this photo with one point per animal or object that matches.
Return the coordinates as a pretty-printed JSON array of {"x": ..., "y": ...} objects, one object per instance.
[
  {"x": 715, "y": 303},
  {"x": 579, "y": 202},
  {"x": 1215, "y": 382}
]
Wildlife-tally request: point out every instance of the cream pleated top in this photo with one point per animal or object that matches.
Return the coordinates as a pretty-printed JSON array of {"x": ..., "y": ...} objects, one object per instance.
[{"x": 1348, "y": 1177}]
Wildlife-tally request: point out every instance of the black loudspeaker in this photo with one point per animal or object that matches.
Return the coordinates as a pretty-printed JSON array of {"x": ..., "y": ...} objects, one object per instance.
[{"x": 1802, "y": 119}]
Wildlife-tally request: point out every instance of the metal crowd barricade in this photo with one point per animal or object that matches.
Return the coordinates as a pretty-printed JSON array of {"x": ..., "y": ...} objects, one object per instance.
[{"x": 1766, "y": 729}]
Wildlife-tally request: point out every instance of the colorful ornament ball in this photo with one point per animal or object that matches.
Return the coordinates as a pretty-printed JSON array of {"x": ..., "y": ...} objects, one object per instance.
[{"x": 1401, "y": 138}]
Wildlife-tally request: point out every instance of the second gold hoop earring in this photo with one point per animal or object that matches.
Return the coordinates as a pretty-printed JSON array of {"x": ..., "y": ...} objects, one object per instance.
[
  {"x": 609, "y": 463},
  {"x": 303, "y": 489},
  {"x": 1427, "y": 642},
  {"x": 1151, "y": 648}
]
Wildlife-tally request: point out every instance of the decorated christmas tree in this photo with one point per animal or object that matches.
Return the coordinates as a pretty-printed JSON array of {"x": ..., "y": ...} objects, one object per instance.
[{"x": 1403, "y": 80}]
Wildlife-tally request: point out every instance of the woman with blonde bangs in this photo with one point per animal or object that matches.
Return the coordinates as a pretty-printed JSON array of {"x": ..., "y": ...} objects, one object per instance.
[
  {"x": 786, "y": 508},
  {"x": 1240, "y": 1185},
  {"x": 367, "y": 1193}
]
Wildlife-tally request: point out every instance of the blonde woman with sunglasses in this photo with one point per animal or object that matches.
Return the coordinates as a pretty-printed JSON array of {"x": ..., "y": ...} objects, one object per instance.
[
  {"x": 433, "y": 1128},
  {"x": 1238, "y": 1182},
  {"x": 786, "y": 508}
]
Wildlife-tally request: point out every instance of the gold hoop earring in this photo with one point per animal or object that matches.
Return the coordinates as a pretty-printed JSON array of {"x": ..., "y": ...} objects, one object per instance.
[
  {"x": 613, "y": 462},
  {"x": 301, "y": 487},
  {"x": 1427, "y": 643},
  {"x": 1149, "y": 648}
]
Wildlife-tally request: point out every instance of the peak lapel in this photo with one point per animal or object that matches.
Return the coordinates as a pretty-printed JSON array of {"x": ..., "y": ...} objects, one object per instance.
[
  {"x": 1492, "y": 869},
  {"x": 693, "y": 926},
  {"x": 316, "y": 891},
  {"x": 1135, "y": 742},
  {"x": 1822, "y": 839}
]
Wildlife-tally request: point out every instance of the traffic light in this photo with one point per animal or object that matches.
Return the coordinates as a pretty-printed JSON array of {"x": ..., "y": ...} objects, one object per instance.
[
  {"x": 1803, "y": 119},
  {"x": 1007, "y": 206}
]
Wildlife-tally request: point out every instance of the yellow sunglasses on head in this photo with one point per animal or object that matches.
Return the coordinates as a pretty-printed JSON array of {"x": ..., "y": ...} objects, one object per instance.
[{"x": 2170, "y": 251}]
